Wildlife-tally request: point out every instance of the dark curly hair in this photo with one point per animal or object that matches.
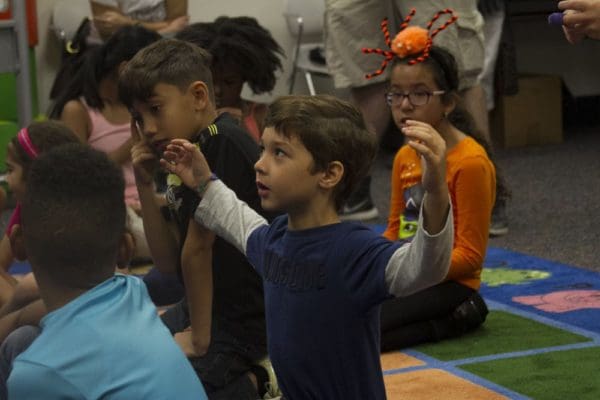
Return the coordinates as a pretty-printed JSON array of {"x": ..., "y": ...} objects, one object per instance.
[
  {"x": 102, "y": 62},
  {"x": 73, "y": 215},
  {"x": 239, "y": 41}
]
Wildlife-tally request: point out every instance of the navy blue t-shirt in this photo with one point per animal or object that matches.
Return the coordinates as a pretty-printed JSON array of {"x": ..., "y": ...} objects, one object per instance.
[{"x": 323, "y": 289}]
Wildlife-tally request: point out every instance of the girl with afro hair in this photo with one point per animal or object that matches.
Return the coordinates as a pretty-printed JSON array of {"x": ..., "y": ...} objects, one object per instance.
[{"x": 243, "y": 53}]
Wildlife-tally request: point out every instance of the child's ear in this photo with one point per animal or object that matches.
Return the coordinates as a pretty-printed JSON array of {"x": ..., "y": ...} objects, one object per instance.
[
  {"x": 332, "y": 175},
  {"x": 199, "y": 92},
  {"x": 17, "y": 243},
  {"x": 126, "y": 250},
  {"x": 450, "y": 104}
]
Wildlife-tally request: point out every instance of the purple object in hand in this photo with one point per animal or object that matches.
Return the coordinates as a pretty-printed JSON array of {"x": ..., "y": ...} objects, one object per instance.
[{"x": 555, "y": 18}]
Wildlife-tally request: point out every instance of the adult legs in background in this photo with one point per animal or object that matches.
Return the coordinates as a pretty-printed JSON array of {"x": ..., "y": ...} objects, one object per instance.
[
  {"x": 446, "y": 310},
  {"x": 474, "y": 101},
  {"x": 494, "y": 22},
  {"x": 351, "y": 25},
  {"x": 371, "y": 102}
]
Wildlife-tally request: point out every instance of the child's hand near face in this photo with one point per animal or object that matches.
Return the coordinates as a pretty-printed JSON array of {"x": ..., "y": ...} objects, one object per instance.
[
  {"x": 143, "y": 158},
  {"x": 185, "y": 160}
]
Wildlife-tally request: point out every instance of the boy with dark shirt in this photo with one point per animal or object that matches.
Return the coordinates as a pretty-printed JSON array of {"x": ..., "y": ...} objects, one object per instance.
[{"x": 168, "y": 88}]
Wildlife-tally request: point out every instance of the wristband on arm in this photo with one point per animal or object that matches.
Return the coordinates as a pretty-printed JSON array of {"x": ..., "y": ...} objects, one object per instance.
[{"x": 201, "y": 188}]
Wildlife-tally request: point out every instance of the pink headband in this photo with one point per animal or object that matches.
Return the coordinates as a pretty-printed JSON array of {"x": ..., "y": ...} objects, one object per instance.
[{"x": 26, "y": 144}]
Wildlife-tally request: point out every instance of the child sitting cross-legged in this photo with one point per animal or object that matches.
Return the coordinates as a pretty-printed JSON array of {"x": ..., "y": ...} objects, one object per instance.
[{"x": 324, "y": 280}]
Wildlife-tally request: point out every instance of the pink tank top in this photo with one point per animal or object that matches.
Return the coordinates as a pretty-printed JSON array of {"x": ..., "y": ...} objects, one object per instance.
[{"x": 107, "y": 137}]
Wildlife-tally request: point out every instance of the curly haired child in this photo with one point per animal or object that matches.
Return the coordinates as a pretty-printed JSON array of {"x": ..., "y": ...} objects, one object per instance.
[{"x": 243, "y": 53}]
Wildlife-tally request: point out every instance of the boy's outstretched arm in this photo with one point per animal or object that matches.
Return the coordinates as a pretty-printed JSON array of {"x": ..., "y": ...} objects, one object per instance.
[
  {"x": 185, "y": 160},
  {"x": 426, "y": 260},
  {"x": 219, "y": 210}
]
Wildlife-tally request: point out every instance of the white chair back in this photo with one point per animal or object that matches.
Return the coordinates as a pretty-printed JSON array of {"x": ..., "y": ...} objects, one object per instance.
[
  {"x": 67, "y": 16},
  {"x": 311, "y": 13}
]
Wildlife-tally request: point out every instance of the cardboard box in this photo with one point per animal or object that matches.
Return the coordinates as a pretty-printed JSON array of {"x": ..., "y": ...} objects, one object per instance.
[{"x": 531, "y": 117}]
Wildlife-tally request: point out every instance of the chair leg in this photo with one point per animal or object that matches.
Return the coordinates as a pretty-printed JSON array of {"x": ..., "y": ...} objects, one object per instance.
[{"x": 309, "y": 82}]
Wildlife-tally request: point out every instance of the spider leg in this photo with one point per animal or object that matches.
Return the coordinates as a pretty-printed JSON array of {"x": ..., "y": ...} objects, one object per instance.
[
  {"x": 407, "y": 19},
  {"x": 437, "y": 15},
  {"x": 386, "y": 32},
  {"x": 388, "y": 57}
]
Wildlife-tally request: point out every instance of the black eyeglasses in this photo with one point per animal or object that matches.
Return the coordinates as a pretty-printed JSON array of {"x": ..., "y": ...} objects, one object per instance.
[{"x": 419, "y": 98}]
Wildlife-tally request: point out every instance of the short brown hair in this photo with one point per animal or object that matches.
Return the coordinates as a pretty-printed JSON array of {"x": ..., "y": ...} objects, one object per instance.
[
  {"x": 331, "y": 130},
  {"x": 169, "y": 61}
]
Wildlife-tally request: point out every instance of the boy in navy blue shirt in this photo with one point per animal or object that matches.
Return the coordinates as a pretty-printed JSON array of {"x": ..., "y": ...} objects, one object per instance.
[{"x": 324, "y": 279}]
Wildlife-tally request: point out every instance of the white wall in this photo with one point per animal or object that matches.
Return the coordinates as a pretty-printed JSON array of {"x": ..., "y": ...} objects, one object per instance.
[
  {"x": 269, "y": 13},
  {"x": 542, "y": 48},
  {"x": 47, "y": 53}
]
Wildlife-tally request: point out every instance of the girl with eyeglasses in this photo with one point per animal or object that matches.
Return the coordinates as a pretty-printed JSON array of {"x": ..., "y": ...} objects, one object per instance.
[{"x": 423, "y": 96}]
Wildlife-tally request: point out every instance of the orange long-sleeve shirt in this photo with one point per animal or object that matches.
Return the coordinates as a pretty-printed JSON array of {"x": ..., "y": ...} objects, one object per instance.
[{"x": 471, "y": 179}]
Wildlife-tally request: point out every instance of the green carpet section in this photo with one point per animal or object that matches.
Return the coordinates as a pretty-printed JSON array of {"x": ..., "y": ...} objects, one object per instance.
[
  {"x": 502, "y": 332},
  {"x": 569, "y": 374}
]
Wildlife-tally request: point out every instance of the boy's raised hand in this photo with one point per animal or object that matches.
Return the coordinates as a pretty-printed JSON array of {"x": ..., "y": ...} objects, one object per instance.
[
  {"x": 428, "y": 143},
  {"x": 143, "y": 158},
  {"x": 432, "y": 148},
  {"x": 185, "y": 160}
]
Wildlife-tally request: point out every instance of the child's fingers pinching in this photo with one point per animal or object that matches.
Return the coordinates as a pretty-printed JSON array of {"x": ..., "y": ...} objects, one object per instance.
[{"x": 424, "y": 139}]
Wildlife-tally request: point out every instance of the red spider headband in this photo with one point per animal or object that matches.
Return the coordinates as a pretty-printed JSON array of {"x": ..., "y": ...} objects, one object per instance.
[{"x": 409, "y": 40}]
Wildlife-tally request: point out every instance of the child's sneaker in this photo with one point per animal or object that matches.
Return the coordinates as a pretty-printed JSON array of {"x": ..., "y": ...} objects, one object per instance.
[
  {"x": 271, "y": 385},
  {"x": 499, "y": 222}
]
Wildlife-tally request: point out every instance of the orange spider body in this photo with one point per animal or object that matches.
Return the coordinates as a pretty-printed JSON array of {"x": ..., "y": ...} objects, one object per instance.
[{"x": 410, "y": 41}]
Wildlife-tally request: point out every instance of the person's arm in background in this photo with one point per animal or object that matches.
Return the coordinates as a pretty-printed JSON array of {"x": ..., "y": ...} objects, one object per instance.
[
  {"x": 108, "y": 19},
  {"x": 581, "y": 19},
  {"x": 196, "y": 265},
  {"x": 474, "y": 193},
  {"x": 7, "y": 282},
  {"x": 31, "y": 314},
  {"x": 75, "y": 116}
]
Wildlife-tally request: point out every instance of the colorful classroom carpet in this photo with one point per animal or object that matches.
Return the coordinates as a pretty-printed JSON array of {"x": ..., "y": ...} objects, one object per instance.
[{"x": 541, "y": 339}]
